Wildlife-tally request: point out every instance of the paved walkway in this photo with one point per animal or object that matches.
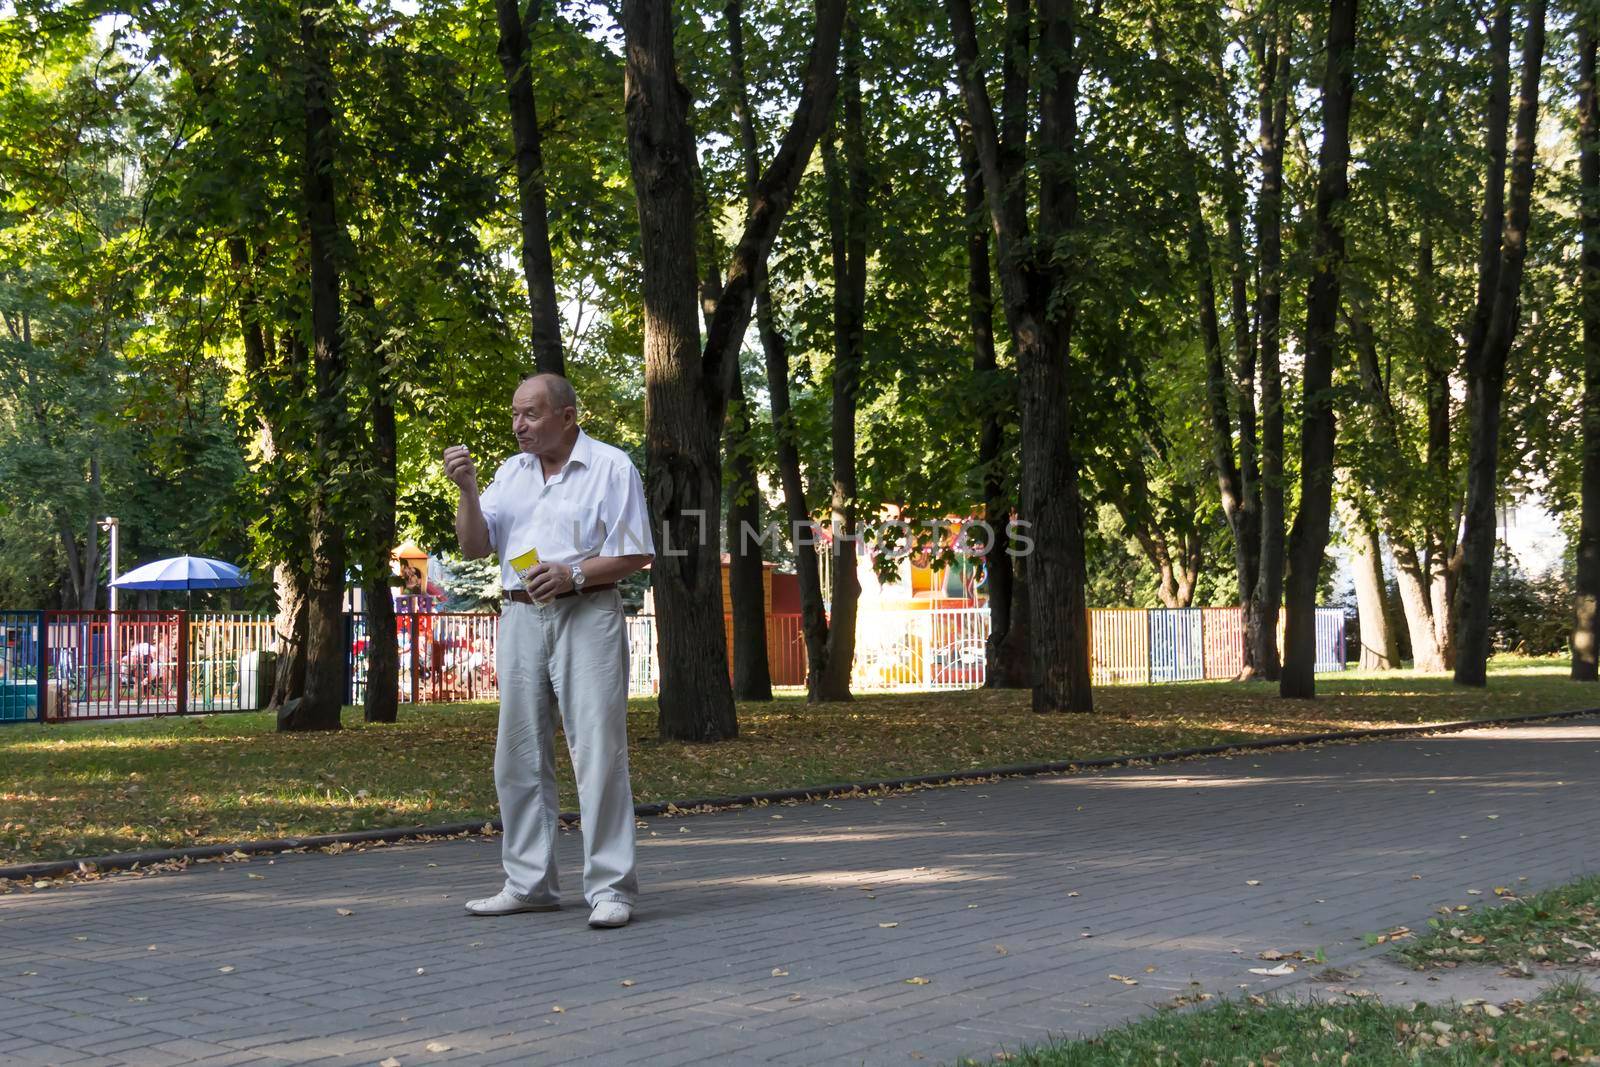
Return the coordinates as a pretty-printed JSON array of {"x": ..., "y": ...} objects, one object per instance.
[{"x": 787, "y": 935}]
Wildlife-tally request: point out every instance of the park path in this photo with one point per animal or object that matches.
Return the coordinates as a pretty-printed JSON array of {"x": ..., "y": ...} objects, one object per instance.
[{"x": 787, "y": 934}]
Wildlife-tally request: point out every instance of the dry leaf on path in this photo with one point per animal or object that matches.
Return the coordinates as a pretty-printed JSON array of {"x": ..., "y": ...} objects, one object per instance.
[
  {"x": 1274, "y": 972},
  {"x": 919, "y": 980},
  {"x": 1124, "y": 979}
]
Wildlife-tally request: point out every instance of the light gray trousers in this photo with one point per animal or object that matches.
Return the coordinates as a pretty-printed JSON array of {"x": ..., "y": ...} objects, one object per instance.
[{"x": 568, "y": 656}]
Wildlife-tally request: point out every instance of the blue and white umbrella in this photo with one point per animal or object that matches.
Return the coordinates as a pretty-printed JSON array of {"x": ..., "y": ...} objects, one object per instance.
[{"x": 184, "y": 572}]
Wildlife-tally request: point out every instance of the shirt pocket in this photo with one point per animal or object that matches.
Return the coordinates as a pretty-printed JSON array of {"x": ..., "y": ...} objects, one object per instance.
[{"x": 573, "y": 523}]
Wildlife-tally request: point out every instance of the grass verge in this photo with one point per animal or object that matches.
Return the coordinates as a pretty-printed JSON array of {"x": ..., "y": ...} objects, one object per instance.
[
  {"x": 1558, "y": 926},
  {"x": 88, "y": 789},
  {"x": 1561, "y": 1027}
]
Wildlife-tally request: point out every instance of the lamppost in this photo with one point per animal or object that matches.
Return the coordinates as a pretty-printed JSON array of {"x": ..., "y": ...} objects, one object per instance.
[{"x": 110, "y": 523}]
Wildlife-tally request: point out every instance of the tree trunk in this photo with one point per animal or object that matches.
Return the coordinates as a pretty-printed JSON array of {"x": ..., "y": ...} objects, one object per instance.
[
  {"x": 289, "y": 634},
  {"x": 752, "y": 675},
  {"x": 1261, "y": 612},
  {"x": 1040, "y": 315},
  {"x": 319, "y": 706},
  {"x": 1003, "y": 671},
  {"x": 1050, "y": 495},
  {"x": 1586, "y": 587},
  {"x": 847, "y": 180},
  {"x": 1416, "y": 601},
  {"x": 813, "y": 619},
  {"x": 1441, "y": 561},
  {"x": 1486, "y": 372},
  {"x": 1380, "y": 648},
  {"x": 1236, "y": 477},
  {"x": 537, "y": 267},
  {"x": 687, "y": 387},
  {"x": 1308, "y": 539},
  {"x": 682, "y": 468},
  {"x": 382, "y": 701}
]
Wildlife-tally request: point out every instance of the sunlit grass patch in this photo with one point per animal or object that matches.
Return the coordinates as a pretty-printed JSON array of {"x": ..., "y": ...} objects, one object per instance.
[
  {"x": 1560, "y": 1027},
  {"x": 1557, "y": 926}
]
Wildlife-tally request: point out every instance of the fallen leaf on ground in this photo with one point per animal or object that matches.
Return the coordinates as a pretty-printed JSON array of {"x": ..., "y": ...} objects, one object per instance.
[
  {"x": 1274, "y": 972},
  {"x": 1124, "y": 979},
  {"x": 436, "y": 1046},
  {"x": 919, "y": 980}
]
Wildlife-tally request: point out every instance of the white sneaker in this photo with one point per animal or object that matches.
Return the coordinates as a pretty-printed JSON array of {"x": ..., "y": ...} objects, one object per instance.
[
  {"x": 505, "y": 902},
  {"x": 609, "y": 914}
]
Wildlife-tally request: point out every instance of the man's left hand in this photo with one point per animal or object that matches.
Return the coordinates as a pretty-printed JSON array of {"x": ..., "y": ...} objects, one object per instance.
[{"x": 549, "y": 580}]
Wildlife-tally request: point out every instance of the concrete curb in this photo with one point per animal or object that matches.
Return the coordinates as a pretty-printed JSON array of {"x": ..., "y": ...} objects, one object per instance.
[{"x": 126, "y": 860}]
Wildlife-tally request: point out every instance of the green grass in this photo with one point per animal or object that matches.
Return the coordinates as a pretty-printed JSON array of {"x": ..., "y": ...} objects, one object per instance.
[
  {"x": 1560, "y": 926},
  {"x": 86, "y": 789},
  {"x": 1561, "y": 1027}
]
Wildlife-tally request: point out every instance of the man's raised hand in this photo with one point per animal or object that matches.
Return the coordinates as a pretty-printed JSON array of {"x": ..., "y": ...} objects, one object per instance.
[{"x": 459, "y": 468}]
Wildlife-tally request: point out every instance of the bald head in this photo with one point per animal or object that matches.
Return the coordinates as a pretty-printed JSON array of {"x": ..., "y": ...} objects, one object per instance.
[
  {"x": 544, "y": 417},
  {"x": 557, "y": 392}
]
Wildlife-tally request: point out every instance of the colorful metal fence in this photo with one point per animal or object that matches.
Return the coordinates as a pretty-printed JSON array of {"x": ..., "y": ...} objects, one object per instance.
[
  {"x": 22, "y": 686},
  {"x": 100, "y": 665},
  {"x": 1177, "y": 645},
  {"x": 75, "y": 665},
  {"x": 920, "y": 650},
  {"x": 231, "y": 662},
  {"x": 444, "y": 658},
  {"x": 1330, "y": 640},
  {"x": 1224, "y": 636},
  {"x": 1119, "y": 646}
]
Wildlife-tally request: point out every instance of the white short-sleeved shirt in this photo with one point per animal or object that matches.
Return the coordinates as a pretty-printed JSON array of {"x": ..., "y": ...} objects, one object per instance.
[{"x": 594, "y": 507}]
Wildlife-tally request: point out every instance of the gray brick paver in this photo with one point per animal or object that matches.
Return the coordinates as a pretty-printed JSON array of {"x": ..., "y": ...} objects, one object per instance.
[{"x": 1160, "y": 875}]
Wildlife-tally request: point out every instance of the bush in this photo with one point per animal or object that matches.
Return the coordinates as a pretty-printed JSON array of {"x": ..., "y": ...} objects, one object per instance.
[{"x": 1528, "y": 615}]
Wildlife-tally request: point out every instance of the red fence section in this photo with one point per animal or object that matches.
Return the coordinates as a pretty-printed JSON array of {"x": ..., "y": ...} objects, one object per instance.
[
  {"x": 1224, "y": 641},
  {"x": 100, "y": 666}
]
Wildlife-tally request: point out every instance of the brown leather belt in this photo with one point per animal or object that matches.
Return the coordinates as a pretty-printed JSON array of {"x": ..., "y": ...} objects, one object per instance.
[{"x": 522, "y": 596}]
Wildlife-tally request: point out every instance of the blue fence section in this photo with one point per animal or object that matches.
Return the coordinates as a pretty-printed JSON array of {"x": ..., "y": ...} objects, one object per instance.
[
  {"x": 1330, "y": 640},
  {"x": 1177, "y": 645},
  {"x": 20, "y": 685}
]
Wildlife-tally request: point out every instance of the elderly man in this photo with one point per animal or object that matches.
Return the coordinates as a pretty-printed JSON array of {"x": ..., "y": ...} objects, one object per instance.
[{"x": 563, "y": 644}]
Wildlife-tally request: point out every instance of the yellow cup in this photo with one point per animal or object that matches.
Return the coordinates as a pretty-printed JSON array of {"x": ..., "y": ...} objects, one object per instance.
[{"x": 523, "y": 564}]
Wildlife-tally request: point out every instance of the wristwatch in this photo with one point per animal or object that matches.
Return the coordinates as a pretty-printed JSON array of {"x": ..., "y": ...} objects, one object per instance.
[{"x": 578, "y": 578}]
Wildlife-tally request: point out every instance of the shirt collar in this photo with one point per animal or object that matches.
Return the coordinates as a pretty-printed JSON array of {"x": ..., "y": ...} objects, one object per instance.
[{"x": 582, "y": 453}]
